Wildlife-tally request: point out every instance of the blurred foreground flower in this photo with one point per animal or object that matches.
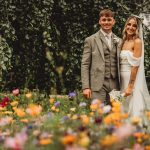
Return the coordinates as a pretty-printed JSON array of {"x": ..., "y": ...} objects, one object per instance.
[
  {"x": 68, "y": 139},
  {"x": 17, "y": 142}
]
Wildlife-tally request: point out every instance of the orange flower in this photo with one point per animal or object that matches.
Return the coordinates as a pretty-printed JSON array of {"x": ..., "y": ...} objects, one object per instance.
[
  {"x": 85, "y": 119},
  {"x": 94, "y": 107},
  {"x": 68, "y": 139},
  {"x": 24, "y": 120},
  {"x": 34, "y": 110},
  {"x": 147, "y": 147},
  {"x": 20, "y": 112},
  {"x": 51, "y": 100},
  {"x": 109, "y": 140},
  {"x": 45, "y": 141}
]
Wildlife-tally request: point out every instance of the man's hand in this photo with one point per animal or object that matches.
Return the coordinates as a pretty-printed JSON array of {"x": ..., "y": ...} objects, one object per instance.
[
  {"x": 87, "y": 93},
  {"x": 128, "y": 91}
]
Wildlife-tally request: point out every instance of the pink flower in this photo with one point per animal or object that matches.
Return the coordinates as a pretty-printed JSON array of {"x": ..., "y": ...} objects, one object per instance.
[
  {"x": 15, "y": 92},
  {"x": 124, "y": 131},
  {"x": 138, "y": 147},
  {"x": 16, "y": 142}
]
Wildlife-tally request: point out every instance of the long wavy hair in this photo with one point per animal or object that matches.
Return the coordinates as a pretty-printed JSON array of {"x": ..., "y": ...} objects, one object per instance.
[{"x": 124, "y": 34}]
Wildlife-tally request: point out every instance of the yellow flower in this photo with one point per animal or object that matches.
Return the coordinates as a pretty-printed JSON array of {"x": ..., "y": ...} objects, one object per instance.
[
  {"x": 74, "y": 117},
  {"x": 14, "y": 103},
  {"x": 73, "y": 109},
  {"x": 45, "y": 141},
  {"x": 7, "y": 112},
  {"x": 28, "y": 95},
  {"x": 84, "y": 141}
]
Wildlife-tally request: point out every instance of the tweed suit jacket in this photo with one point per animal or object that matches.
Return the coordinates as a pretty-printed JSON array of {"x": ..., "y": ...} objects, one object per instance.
[{"x": 93, "y": 61}]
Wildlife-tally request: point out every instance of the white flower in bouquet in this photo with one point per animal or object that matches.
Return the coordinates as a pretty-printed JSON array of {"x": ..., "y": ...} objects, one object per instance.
[{"x": 116, "y": 96}]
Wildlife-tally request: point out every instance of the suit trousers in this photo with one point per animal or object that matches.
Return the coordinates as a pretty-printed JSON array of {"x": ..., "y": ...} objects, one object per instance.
[{"x": 108, "y": 85}]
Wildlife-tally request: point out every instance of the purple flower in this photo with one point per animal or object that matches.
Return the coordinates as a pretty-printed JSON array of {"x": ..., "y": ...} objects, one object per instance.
[
  {"x": 82, "y": 104},
  {"x": 63, "y": 119},
  {"x": 72, "y": 95},
  {"x": 57, "y": 104}
]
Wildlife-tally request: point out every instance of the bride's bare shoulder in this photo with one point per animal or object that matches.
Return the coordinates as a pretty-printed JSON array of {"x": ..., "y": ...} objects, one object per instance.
[{"x": 137, "y": 41}]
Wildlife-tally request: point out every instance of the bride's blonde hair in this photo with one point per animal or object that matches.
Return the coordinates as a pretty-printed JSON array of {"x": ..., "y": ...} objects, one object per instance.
[{"x": 136, "y": 35}]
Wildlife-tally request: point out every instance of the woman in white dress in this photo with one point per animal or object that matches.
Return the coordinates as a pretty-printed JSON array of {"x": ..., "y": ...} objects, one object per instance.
[{"x": 133, "y": 83}]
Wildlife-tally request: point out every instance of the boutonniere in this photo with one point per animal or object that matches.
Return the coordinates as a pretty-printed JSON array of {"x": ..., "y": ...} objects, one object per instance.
[{"x": 116, "y": 40}]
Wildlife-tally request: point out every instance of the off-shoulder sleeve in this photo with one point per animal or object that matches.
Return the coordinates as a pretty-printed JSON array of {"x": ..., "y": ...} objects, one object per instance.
[{"x": 134, "y": 61}]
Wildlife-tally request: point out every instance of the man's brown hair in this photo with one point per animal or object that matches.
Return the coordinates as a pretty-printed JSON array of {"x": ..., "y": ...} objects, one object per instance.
[{"x": 106, "y": 12}]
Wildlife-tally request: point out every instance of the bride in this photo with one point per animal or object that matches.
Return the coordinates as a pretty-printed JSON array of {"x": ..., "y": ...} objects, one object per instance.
[{"x": 133, "y": 83}]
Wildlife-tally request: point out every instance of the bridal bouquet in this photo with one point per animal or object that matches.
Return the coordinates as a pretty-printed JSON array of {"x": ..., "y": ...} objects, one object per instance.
[{"x": 116, "y": 96}]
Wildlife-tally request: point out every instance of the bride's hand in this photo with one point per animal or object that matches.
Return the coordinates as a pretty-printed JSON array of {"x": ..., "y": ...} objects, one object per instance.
[{"x": 128, "y": 91}]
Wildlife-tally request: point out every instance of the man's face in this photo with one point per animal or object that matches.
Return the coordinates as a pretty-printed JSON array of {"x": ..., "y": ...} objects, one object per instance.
[{"x": 106, "y": 23}]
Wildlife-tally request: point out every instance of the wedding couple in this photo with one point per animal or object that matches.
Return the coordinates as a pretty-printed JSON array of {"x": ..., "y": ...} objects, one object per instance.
[{"x": 109, "y": 62}]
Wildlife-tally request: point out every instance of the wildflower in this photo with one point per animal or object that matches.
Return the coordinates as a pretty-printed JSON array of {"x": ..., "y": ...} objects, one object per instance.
[
  {"x": 85, "y": 119},
  {"x": 14, "y": 103},
  {"x": 72, "y": 95},
  {"x": 51, "y": 100},
  {"x": 15, "y": 92},
  {"x": 24, "y": 120},
  {"x": 57, "y": 104},
  {"x": 124, "y": 131},
  {"x": 28, "y": 95},
  {"x": 82, "y": 104},
  {"x": 109, "y": 140},
  {"x": 84, "y": 141},
  {"x": 45, "y": 141},
  {"x": 68, "y": 139},
  {"x": 17, "y": 142},
  {"x": 73, "y": 109},
  {"x": 34, "y": 110},
  {"x": 20, "y": 112},
  {"x": 106, "y": 109},
  {"x": 4, "y": 102}
]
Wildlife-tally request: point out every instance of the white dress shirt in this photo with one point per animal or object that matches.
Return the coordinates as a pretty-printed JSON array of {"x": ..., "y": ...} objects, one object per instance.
[{"x": 107, "y": 37}]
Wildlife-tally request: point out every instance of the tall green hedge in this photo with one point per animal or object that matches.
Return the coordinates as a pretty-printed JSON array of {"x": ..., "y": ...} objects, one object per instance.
[{"x": 41, "y": 41}]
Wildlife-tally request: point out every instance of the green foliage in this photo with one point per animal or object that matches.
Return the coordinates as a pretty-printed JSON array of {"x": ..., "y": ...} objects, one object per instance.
[{"x": 46, "y": 38}]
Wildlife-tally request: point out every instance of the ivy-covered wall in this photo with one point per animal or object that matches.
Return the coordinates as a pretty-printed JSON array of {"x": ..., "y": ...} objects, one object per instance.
[{"x": 41, "y": 41}]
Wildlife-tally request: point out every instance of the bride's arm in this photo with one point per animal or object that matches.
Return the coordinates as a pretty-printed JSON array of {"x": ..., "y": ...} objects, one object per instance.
[{"x": 137, "y": 53}]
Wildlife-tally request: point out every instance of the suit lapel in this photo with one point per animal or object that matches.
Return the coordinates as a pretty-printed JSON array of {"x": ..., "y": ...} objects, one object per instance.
[{"x": 99, "y": 44}]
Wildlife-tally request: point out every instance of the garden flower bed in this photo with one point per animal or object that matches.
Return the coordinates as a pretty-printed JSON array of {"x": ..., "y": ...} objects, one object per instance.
[{"x": 33, "y": 120}]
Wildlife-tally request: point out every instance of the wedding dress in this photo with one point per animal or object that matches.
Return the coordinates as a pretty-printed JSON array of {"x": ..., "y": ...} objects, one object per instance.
[{"x": 138, "y": 102}]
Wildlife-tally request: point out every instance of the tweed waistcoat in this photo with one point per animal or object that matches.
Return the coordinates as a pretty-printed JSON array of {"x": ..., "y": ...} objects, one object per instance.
[{"x": 110, "y": 62}]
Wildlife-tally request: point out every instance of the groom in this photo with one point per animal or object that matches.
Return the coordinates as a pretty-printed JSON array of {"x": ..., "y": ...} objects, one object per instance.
[{"x": 100, "y": 60}]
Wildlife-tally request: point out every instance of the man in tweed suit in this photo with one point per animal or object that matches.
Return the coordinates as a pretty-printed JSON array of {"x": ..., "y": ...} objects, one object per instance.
[{"x": 100, "y": 60}]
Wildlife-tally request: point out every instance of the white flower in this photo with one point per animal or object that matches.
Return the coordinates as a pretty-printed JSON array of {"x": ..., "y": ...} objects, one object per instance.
[
  {"x": 116, "y": 96},
  {"x": 106, "y": 109}
]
